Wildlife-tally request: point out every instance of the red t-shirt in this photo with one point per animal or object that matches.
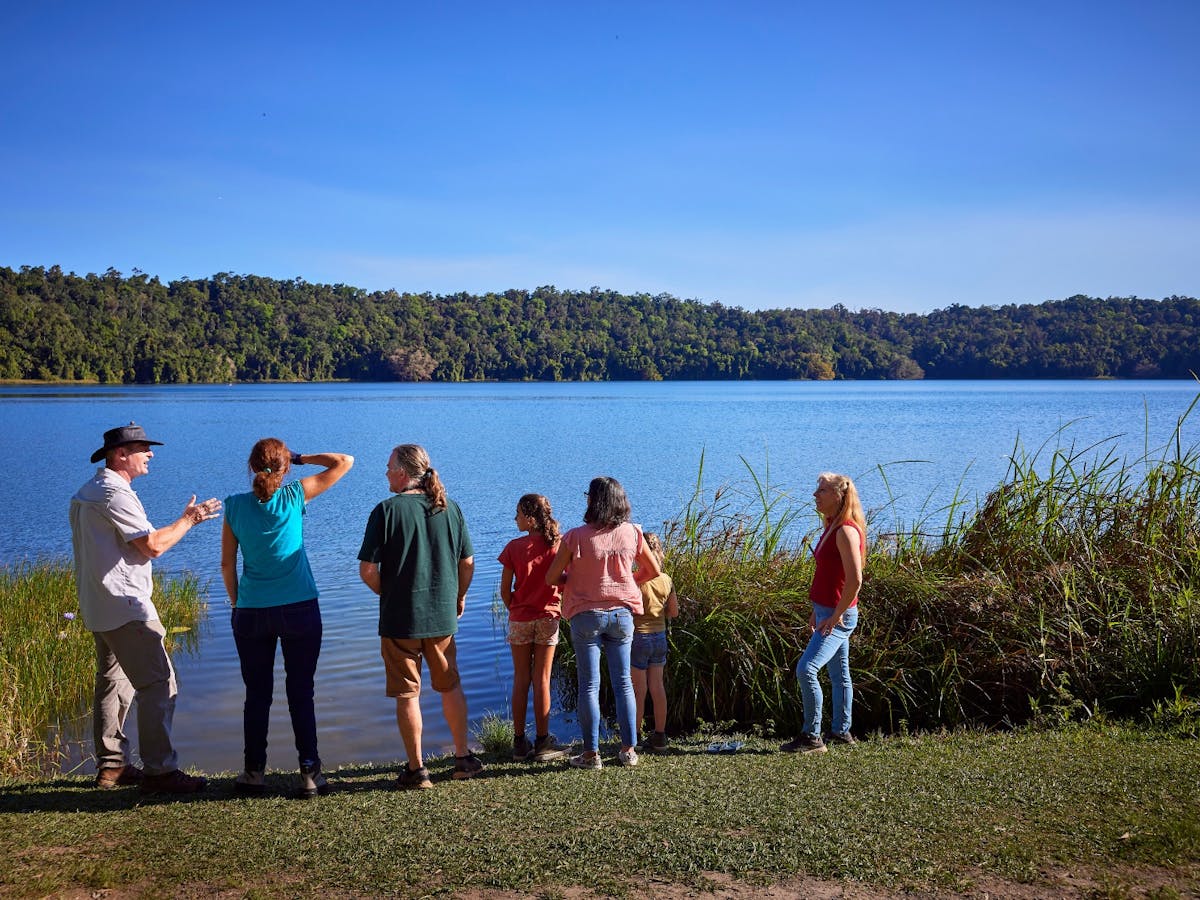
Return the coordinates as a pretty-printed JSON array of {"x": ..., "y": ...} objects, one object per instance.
[
  {"x": 830, "y": 576},
  {"x": 530, "y": 557}
]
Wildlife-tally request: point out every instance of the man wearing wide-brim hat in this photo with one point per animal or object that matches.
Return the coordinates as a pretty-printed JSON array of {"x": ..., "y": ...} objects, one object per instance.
[{"x": 114, "y": 543}]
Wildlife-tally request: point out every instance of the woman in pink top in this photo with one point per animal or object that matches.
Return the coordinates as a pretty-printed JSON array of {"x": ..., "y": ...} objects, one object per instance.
[
  {"x": 834, "y": 595},
  {"x": 600, "y": 596}
]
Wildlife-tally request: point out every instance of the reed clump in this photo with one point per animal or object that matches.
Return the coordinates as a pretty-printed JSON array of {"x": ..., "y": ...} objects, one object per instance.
[
  {"x": 48, "y": 659},
  {"x": 1070, "y": 591}
]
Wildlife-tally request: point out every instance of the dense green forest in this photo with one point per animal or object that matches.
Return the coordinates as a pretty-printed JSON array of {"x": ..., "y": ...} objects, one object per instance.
[{"x": 135, "y": 329}]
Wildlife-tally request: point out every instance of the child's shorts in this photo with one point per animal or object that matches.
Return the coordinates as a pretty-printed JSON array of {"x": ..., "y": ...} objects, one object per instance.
[
  {"x": 648, "y": 650},
  {"x": 539, "y": 631}
]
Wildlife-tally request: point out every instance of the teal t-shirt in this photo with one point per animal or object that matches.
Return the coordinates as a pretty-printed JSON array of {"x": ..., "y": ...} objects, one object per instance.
[
  {"x": 418, "y": 549},
  {"x": 275, "y": 568}
]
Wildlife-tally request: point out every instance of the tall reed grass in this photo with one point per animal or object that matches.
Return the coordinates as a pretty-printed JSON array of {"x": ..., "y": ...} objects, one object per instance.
[
  {"x": 1071, "y": 590},
  {"x": 48, "y": 659}
]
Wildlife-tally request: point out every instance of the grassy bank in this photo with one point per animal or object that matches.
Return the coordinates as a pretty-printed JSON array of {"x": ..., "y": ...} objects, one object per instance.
[
  {"x": 48, "y": 659},
  {"x": 1099, "y": 810},
  {"x": 1071, "y": 590}
]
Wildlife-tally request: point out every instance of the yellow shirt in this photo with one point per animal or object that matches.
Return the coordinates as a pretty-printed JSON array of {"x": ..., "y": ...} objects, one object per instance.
[{"x": 654, "y": 600}]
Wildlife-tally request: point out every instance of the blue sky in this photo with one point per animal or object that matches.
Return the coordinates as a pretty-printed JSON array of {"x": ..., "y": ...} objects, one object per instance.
[{"x": 902, "y": 156}]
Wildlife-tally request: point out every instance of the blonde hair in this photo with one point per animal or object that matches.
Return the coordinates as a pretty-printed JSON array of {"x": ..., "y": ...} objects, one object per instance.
[
  {"x": 850, "y": 507},
  {"x": 269, "y": 461},
  {"x": 413, "y": 459},
  {"x": 654, "y": 543}
]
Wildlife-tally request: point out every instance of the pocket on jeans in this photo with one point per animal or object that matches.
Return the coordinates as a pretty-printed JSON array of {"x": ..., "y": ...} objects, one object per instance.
[{"x": 300, "y": 619}]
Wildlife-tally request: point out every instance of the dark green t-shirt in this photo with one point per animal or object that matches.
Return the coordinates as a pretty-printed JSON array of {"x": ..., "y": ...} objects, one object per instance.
[{"x": 417, "y": 549}]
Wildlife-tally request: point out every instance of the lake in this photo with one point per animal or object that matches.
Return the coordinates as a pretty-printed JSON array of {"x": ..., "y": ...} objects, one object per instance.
[{"x": 911, "y": 446}]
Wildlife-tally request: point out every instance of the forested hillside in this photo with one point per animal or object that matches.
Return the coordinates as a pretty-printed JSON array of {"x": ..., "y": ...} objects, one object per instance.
[{"x": 135, "y": 329}]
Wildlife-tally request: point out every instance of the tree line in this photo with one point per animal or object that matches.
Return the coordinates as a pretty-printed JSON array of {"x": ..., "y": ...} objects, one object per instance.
[{"x": 119, "y": 329}]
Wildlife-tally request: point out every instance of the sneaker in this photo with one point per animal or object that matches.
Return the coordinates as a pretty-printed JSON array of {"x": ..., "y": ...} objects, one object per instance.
[
  {"x": 173, "y": 782},
  {"x": 118, "y": 776},
  {"x": 251, "y": 782},
  {"x": 410, "y": 779},
  {"x": 312, "y": 781},
  {"x": 628, "y": 757},
  {"x": 589, "y": 759},
  {"x": 467, "y": 766},
  {"x": 546, "y": 749},
  {"x": 658, "y": 742},
  {"x": 844, "y": 737},
  {"x": 522, "y": 749},
  {"x": 805, "y": 743}
]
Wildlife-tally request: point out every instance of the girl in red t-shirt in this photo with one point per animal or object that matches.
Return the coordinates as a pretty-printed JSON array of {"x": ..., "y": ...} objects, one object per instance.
[{"x": 533, "y": 615}]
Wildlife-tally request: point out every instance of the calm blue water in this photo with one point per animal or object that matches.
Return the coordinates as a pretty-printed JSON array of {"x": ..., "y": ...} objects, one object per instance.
[{"x": 494, "y": 442}]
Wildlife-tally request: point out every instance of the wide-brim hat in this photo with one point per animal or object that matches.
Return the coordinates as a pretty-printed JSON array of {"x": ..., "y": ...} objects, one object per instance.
[{"x": 125, "y": 434}]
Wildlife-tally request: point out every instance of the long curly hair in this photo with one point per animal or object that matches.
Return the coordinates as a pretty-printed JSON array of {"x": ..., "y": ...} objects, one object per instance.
[{"x": 538, "y": 508}]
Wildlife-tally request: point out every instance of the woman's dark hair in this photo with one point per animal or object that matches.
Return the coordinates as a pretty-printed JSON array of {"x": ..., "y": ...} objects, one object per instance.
[
  {"x": 607, "y": 504},
  {"x": 269, "y": 462},
  {"x": 538, "y": 508},
  {"x": 413, "y": 459}
]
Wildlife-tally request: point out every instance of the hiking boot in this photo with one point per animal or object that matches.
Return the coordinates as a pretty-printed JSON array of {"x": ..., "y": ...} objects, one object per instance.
[
  {"x": 805, "y": 743},
  {"x": 589, "y": 759},
  {"x": 628, "y": 757},
  {"x": 658, "y": 742},
  {"x": 467, "y": 766},
  {"x": 173, "y": 782},
  {"x": 521, "y": 748},
  {"x": 251, "y": 783},
  {"x": 312, "y": 782},
  {"x": 843, "y": 737},
  {"x": 118, "y": 776},
  {"x": 410, "y": 779},
  {"x": 546, "y": 749}
]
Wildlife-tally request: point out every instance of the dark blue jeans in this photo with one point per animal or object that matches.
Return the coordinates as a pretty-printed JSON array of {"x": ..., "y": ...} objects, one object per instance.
[{"x": 297, "y": 626}]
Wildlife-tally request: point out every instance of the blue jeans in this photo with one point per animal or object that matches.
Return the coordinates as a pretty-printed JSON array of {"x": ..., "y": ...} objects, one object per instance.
[
  {"x": 832, "y": 651},
  {"x": 611, "y": 629},
  {"x": 297, "y": 627}
]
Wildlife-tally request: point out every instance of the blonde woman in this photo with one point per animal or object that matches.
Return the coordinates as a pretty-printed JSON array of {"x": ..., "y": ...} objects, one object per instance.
[{"x": 834, "y": 594}]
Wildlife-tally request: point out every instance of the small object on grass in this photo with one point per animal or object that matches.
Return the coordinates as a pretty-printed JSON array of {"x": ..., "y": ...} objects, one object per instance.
[{"x": 726, "y": 746}]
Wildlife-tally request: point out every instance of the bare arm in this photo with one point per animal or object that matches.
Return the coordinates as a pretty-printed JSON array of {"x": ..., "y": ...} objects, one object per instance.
[
  {"x": 159, "y": 541},
  {"x": 466, "y": 571},
  {"x": 229, "y": 550},
  {"x": 506, "y": 586},
  {"x": 554, "y": 575},
  {"x": 369, "y": 573},
  {"x": 336, "y": 465},
  {"x": 672, "y": 607},
  {"x": 647, "y": 564}
]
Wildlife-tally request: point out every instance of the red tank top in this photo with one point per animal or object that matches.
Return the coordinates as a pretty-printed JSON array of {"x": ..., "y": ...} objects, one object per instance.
[{"x": 830, "y": 576}]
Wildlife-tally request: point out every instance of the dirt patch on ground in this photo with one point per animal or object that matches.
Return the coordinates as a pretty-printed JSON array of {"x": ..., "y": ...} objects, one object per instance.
[{"x": 1060, "y": 883}]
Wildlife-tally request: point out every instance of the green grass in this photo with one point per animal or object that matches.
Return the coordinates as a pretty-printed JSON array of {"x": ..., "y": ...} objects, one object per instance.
[
  {"x": 1108, "y": 804},
  {"x": 48, "y": 659}
]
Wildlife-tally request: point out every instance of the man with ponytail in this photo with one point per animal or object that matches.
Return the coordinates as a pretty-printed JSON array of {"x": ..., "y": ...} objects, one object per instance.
[{"x": 417, "y": 556}]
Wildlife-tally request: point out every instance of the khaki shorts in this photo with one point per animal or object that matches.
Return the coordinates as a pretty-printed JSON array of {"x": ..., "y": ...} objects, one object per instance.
[
  {"x": 539, "y": 631},
  {"x": 402, "y": 663}
]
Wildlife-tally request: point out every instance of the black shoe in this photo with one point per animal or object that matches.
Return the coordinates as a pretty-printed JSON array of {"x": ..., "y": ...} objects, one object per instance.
[
  {"x": 844, "y": 737},
  {"x": 466, "y": 766},
  {"x": 546, "y": 749},
  {"x": 657, "y": 742},
  {"x": 408, "y": 779},
  {"x": 805, "y": 743},
  {"x": 312, "y": 782},
  {"x": 522, "y": 749}
]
